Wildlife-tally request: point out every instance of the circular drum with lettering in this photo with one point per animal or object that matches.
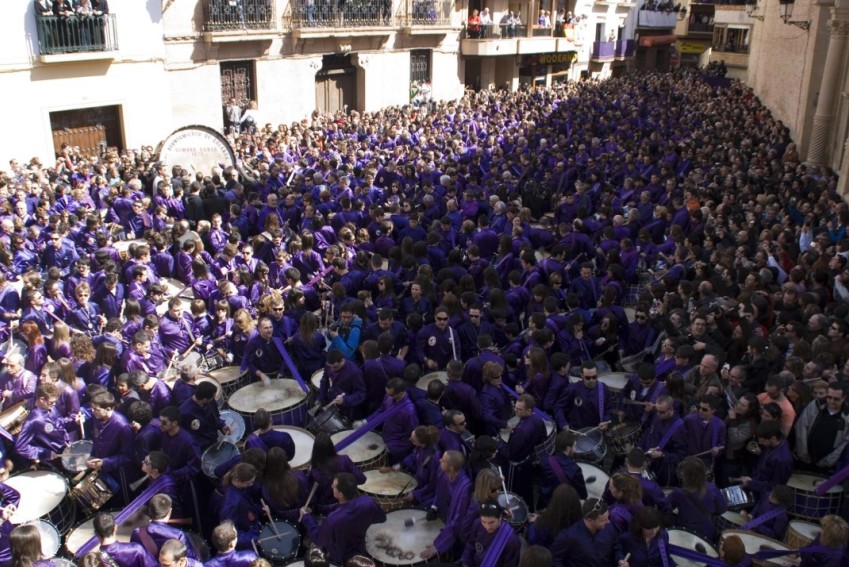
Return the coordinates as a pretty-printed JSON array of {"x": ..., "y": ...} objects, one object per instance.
[
  {"x": 388, "y": 489},
  {"x": 282, "y": 398},
  {"x": 304, "y": 440},
  {"x": 44, "y": 495},
  {"x": 402, "y": 537},
  {"x": 368, "y": 452}
]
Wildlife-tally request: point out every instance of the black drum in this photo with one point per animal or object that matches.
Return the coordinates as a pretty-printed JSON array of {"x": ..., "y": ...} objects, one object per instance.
[{"x": 279, "y": 547}]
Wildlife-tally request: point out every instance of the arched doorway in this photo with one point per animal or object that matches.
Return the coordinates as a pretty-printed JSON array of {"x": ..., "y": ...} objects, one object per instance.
[{"x": 336, "y": 84}]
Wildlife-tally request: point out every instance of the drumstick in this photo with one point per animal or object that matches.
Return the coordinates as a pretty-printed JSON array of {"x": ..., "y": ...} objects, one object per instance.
[
  {"x": 703, "y": 453},
  {"x": 636, "y": 403},
  {"x": 587, "y": 432},
  {"x": 312, "y": 493},
  {"x": 270, "y": 520}
]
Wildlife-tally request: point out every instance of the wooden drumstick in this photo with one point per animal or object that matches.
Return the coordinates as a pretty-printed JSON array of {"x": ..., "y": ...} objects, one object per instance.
[
  {"x": 703, "y": 453},
  {"x": 270, "y": 520},
  {"x": 312, "y": 493}
]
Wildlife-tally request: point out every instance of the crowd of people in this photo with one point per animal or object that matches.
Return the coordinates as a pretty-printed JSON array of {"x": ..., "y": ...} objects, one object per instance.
[{"x": 522, "y": 243}]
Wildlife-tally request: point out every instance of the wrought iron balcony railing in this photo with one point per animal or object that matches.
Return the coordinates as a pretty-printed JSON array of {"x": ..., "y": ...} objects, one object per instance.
[
  {"x": 497, "y": 31},
  {"x": 76, "y": 34},
  {"x": 232, "y": 15},
  {"x": 341, "y": 13},
  {"x": 428, "y": 13}
]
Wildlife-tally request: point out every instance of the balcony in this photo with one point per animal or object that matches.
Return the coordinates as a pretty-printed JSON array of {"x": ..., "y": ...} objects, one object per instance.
[
  {"x": 656, "y": 19},
  {"x": 87, "y": 38},
  {"x": 625, "y": 48},
  {"x": 323, "y": 18},
  {"x": 239, "y": 20},
  {"x": 422, "y": 17},
  {"x": 603, "y": 51},
  {"x": 513, "y": 39},
  {"x": 700, "y": 28}
]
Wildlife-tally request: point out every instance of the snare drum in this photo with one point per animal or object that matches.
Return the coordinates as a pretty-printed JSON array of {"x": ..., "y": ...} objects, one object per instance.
[
  {"x": 279, "y": 546},
  {"x": 615, "y": 382},
  {"x": 687, "y": 540},
  {"x": 368, "y": 452},
  {"x": 810, "y": 506},
  {"x": 50, "y": 539},
  {"x": 427, "y": 378},
  {"x": 595, "y": 479},
  {"x": 515, "y": 504},
  {"x": 236, "y": 423},
  {"x": 12, "y": 419},
  {"x": 329, "y": 421},
  {"x": 44, "y": 495},
  {"x": 76, "y": 455},
  {"x": 543, "y": 449},
  {"x": 304, "y": 440},
  {"x": 590, "y": 446},
  {"x": 82, "y": 533},
  {"x": 216, "y": 455},
  {"x": 622, "y": 437},
  {"x": 231, "y": 378},
  {"x": 92, "y": 492},
  {"x": 799, "y": 534},
  {"x": 388, "y": 489},
  {"x": 729, "y": 521},
  {"x": 754, "y": 542},
  {"x": 282, "y": 398},
  {"x": 395, "y": 543}
]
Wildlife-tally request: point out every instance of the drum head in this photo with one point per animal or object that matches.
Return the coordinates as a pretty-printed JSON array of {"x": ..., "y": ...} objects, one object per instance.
[
  {"x": 75, "y": 456},
  {"x": 690, "y": 541},
  {"x": 395, "y": 542},
  {"x": 589, "y": 442},
  {"x": 807, "y": 483},
  {"x": 174, "y": 286},
  {"x": 426, "y": 379},
  {"x": 226, "y": 374},
  {"x": 518, "y": 510},
  {"x": 50, "y": 541},
  {"x": 282, "y": 545},
  {"x": 807, "y": 529},
  {"x": 392, "y": 484},
  {"x": 368, "y": 447},
  {"x": 77, "y": 537},
  {"x": 595, "y": 479},
  {"x": 279, "y": 395},
  {"x": 236, "y": 423},
  {"x": 316, "y": 379},
  {"x": 217, "y": 454},
  {"x": 735, "y": 518},
  {"x": 754, "y": 542},
  {"x": 41, "y": 492},
  {"x": 304, "y": 440},
  {"x": 615, "y": 380}
]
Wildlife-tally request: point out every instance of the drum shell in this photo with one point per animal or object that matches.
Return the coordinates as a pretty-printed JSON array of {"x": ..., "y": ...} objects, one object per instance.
[
  {"x": 388, "y": 489},
  {"x": 615, "y": 382},
  {"x": 519, "y": 511},
  {"x": 329, "y": 421},
  {"x": 685, "y": 539},
  {"x": 590, "y": 448},
  {"x": 623, "y": 437},
  {"x": 284, "y": 399},
  {"x": 729, "y": 521},
  {"x": 799, "y": 534},
  {"x": 810, "y": 506},
  {"x": 38, "y": 489},
  {"x": 368, "y": 452}
]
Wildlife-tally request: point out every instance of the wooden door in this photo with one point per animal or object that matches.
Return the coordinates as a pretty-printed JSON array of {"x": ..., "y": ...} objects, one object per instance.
[
  {"x": 92, "y": 129},
  {"x": 336, "y": 89}
]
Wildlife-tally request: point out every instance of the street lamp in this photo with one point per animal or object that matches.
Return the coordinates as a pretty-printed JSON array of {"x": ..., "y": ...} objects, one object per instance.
[
  {"x": 786, "y": 7},
  {"x": 751, "y": 8}
]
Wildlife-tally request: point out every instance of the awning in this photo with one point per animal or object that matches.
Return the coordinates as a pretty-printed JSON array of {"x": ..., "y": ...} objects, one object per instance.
[{"x": 655, "y": 40}]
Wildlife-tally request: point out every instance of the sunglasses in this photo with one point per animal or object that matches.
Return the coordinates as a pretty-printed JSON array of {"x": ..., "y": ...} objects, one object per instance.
[{"x": 442, "y": 318}]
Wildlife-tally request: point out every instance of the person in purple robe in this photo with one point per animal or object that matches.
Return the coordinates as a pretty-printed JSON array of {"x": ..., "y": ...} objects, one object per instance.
[
  {"x": 179, "y": 445},
  {"x": 775, "y": 464},
  {"x": 589, "y": 542},
  {"x": 697, "y": 500},
  {"x": 653, "y": 494},
  {"x": 112, "y": 450},
  {"x": 453, "y": 492},
  {"x": 560, "y": 468},
  {"x": 645, "y": 543},
  {"x": 42, "y": 437},
  {"x": 175, "y": 329},
  {"x": 587, "y": 403},
  {"x": 224, "y": 538},
  {"x": 261, "y": 356},
  {"x": 664, "y": 441},
  {"x": 177, "y": 553},
  {"x": 121, "y": 553},
  {"x": 241, "y": 504},
  {"x": 17, "y": 383},
  {"x": 483, "y": 535},
  {"x": 641, "y": 387},
  {"x": 200, "y": 416},
  {"x": 705, "y": 431},
  {"x": 326, "y": 463},
  {"x": 770, "y": 516},
  {"x": 342, "y": 534},
  {"x": 343, "y": 384},
  {"x": 438, "y": 343},
  {"x": 154, "y": 536},
  {"x": 398, "y": 428},
  {"x": 461, "y": 396},
  {"x": 26, "y": 548},
  {"x": 266, "y": 437}
]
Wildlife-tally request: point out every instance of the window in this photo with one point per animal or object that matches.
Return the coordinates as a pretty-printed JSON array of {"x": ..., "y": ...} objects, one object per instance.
[
  {"x": 731, "y": 38},
  {"x": 420, "y": 65}
]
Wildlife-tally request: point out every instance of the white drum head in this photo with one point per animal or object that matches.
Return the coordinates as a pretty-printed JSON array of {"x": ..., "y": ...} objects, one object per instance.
[
  {"x": 50, "y": 540},
  {"x": 41, "y": 492},
  {"x": 807, "y": 483},
  {"x": 85, "y": 531},
  {"x": 368, "y": 447},
  {"x": 304, "y": 440},
  {"x": 279, "y": 395},
  {"x": 595, "y": 479},
  {"x": 615, "y": 380},
  {"x": 807, "y": 529},
  {"x": 426, "y": 379},
  {"x": 392, "y": 484},
  {"x": 226, "y": 374},
  {"x": 316, "y": 379},
  {"x": 386, "y": 541},
  {"x": 735, "y": 518},
  {"x": 690, "y": 541}
]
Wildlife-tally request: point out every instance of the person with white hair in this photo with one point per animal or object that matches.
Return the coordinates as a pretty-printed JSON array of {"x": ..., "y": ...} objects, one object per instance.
[{"x": 17, "y": 383}]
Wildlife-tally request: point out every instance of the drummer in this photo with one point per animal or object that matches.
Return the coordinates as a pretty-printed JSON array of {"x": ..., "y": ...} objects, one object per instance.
[
  {"x": 265, "y": 436},
  {"x": 398, "y": 428},
  {"x": 138, "y": 356},
  {"x": 121, "y": 553},
  {"x": 154, "y": 535},
  {"x": 560, "y": 468},
  {"x": 151, "y": 390},
  {"x": 587, "y": 403},
  {"x": 17, "y": 383},
  {"x": 262, "y": 357},
  {"x": 519, "y": 451},
  {"x": 775, "y": 464},
  {"x": 43, "y": 437},
  {"x": 9, "y": 499},
  {"x": 156, "y": 465},
  {"x": 705, "y": 431},
  {"x": 770, "y": 517},
  {"x": 483, "y": 535},
  {"x": 453, "y": 492},
  {"x": 641, "y": 387},
  {"x": 664, "y": 441},
  {"x": 343, "y": 533},
  {"x": 343, "y": 385},
  {"x": 113, "y": 436},
  {"x": 177, "y": 553},
  {"x": 201, "y": 417},
  {"x": 175, "y": 330},
  {"x": 179, "y": 445},
  {"x": 224, "y": 538}
]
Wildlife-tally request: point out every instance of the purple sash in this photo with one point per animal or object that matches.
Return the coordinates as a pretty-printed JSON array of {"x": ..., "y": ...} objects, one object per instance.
[
  {"x": 372, "y": 423},
  {"x": 497, "y": 546},
  {"x": 661, "y": 547},
  {"x": 669, "y": 433},
  {"x": 835, "y": 479},
  {"x": 600, "y": 386},
  {"x": 289, "y": 364},
  {"x": 762, "y": 519},
  {"x": 558, "y": 470}
]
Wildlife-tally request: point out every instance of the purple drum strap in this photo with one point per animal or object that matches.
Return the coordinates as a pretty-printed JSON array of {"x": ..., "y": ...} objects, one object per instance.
[
  {"x": 661, "y": 547},
  {"x": 669, "y": 433},
  {"x": 762, "y": 519},
  {"x": 515, "y": 395},
  {"x": 289, "y": 364},
  {"x": 835, "y": 479},
  {"x": 372, "y": 423},
  {"x": 600, "y": 386},
  {"x": 558, "y": 470},
  {"x": 493, "y": 554}
]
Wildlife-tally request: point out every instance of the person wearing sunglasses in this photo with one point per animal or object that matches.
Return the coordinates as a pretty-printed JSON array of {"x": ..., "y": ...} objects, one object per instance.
[
  {"x": 590, "y": 542},
  {"x": 438, "y": 343},
  {"x": 587, "y": 403},
  {"x": 483, "y": 536},
  {"x": 705, "y": 430},
  {"x": 822, "y": 431},
  {"x": 665, "y": 442}
]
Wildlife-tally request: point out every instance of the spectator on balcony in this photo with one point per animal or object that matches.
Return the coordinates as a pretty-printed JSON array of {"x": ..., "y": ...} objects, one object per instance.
[
  {"x": 45, "y": 8},
  {"x": 101, "y": 7},
  {"x": 486, "y": 23},
  {"x": 474, "y": 26},
  {"x": 515, "y": 23},
  {"x": 64, "y": 10},
  {"x": 234, "y": 116},
  {"x": 504, "y": 24},
  {"x": 544, "y": 19}
]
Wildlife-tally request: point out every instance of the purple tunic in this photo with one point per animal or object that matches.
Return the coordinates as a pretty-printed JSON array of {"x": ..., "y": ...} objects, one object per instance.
[{"x": 342, "y": 534}]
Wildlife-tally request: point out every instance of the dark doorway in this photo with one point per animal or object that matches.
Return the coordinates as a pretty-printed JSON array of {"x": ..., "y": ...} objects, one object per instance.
[
  {"x": 238, "y": 81},
  {"x": 336, "y": 84},
  {"x": 91, "y": 129}
]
